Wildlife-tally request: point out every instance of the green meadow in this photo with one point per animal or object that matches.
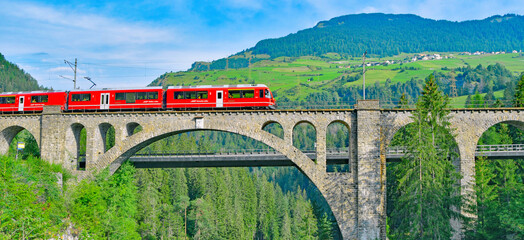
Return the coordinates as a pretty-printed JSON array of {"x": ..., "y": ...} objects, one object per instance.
[{"x": 298, "y": 77}]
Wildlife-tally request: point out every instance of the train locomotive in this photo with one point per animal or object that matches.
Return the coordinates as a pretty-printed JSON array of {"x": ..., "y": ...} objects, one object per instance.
[{"x": 243, "y": 96}]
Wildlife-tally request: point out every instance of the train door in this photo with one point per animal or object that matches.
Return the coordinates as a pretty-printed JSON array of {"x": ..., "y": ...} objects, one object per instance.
[
  {"x": 104, "y": 101},
  {"x": 21, "y": 104},
  {"x": 220, "y": 98}
]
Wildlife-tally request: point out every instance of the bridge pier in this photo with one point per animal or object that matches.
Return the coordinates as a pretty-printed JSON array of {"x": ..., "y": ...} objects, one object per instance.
[
  {"x": 370, "y": 172},
  {"x": 321, "y": 147},
  {"x": 52, "y": 137},
  {"x": 465, "y": 164}
]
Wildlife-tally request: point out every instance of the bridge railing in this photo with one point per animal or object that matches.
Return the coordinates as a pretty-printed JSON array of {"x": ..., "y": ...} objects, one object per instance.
[
  {"x": 241, "y": 152},
  {"x": 392, "y": 150},
  {"x": 501, "y": 148}
]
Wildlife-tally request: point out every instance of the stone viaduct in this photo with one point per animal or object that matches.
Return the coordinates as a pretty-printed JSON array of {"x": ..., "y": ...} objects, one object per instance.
[{"x": 357, "y": 198}]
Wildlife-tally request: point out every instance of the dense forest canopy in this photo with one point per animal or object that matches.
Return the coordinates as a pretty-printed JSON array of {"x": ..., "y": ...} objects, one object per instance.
[
  {"x": 385, "y": 35},
  {"x": 13, "y": 79}
]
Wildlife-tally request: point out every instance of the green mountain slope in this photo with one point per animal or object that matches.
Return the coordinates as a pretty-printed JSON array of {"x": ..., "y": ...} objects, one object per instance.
[
  {"x": 334, "y": 80},
  {"x": 384, "y": 35},
  {"x": 12, "y": 78}
]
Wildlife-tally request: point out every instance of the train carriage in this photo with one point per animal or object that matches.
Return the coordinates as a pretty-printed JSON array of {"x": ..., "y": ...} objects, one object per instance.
[
  {"x": 30, "y": 101},
  {"x": 115, "y": 99},
  {"x": 223, "y": 96},
  {"x": 254, "y": 96}
]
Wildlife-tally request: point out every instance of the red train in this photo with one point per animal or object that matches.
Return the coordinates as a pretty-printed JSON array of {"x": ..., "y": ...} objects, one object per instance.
[{"x": 151, "y": 98}]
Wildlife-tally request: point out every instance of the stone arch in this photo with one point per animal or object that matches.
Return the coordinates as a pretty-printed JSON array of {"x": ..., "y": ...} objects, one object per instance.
[
  {"x": 306, "y": 124},
  {"x": 273, "y": 124},
  {"x": 73, "y": 147},
  {"x": 480, "y": 130},
  {"x": 397, "y": 128},
  {"x": 130, "y": 128},
  {"x": 104, "y": 129},
  {"x": 9, "y": 133},
  {"x": 345, "y": 124},
  {"x": 117, "y": 155},
  {"x": 392, "y": 125}
]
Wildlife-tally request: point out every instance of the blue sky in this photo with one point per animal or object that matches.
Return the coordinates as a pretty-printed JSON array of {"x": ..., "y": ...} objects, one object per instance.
[{"x": 130, "y": 43}]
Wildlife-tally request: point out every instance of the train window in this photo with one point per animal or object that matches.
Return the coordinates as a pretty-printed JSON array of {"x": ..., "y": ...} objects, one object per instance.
[
  {"x": 120, "y": 96},
  {"x": 190, "y": 95},
  {"x": 81, "y": 97},
  {"x": 152, "y": 95},
  {"x": 130, "y": 97},
  {"x": 248, "y": 93},
  {"x": 178, "y": 95},
  {"x": 39, "y": 99},
  {"x": 141, "y": 95},
  {"x": 234, "y": 94},
  {"x": 202, "y": 95},
  {"x": 6, "y": 100},
  {"x": 268, "y": 95},
  {"x": 260, "y": 93}
]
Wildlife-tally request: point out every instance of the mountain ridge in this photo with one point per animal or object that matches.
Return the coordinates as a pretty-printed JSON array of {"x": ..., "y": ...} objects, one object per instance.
[{"x": 383, "y": 35}]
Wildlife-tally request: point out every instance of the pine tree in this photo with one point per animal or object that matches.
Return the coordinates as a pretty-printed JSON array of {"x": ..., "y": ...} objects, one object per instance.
[
  {"x": 485, "y": 225},
  {"x": 468, "y": 103},
  {"x": 519, "y": 93},
  {"x": 489, "y": 99},
  {"x": 511, "y": 191},
  {"x": 476, "y": 101},
  {"x": 403, "y": 103},
  {"x": 426, "y": 177}
]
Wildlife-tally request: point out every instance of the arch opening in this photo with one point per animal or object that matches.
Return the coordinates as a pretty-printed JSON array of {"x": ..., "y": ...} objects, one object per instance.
[
  {"x": 76, "y": 146},
  {"x": 274, "y": 128},
  {"x": 19, "y": 142},
  {"x": 133, "y": 128},
  {"x": 408, "y": 164},
  {"x": 107, "y": 132},
  {"x": 499, "y": 176},
  {"x": 281, "y": 189},
  {"x": 305, "y": 137},
  {"x": 337, "y": 142},
  {"x": 209, "y": 142}
]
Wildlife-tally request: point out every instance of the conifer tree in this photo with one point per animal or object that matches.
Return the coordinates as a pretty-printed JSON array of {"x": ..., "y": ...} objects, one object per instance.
[
  {"x": 426, "y": 177},
  {"x": 519, "y": 93},
  {"x": 468, "y": 103},
  {"x": 485, "y": 207},
  {"x": 477, "y": 101},
  {"x": 403, "y": 103}
]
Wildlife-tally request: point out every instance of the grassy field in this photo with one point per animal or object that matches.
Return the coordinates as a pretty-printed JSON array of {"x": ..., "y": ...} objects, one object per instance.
[
  {"x": 460, "y": 102},
  {"x": 297, "y": 77}
]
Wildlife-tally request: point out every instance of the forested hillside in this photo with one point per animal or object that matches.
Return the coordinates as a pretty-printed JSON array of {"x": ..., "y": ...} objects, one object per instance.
[
  {"x": 384, "y": 35},
  {"x": 12, "y": 78}
]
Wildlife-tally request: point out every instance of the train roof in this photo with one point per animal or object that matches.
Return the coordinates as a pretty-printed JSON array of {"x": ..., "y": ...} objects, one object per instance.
[
  {"x": 31, "y": 92},
  {"x": 110, "y": 89},
  {"x": 217, "y": 86}
]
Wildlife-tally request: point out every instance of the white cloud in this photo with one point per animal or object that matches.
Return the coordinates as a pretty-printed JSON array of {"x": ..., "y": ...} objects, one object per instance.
[
  {"x": 59, "y": 69},
  {"x": 82, "y": 28},
  {"x": 65, "y": 69},
  {"x": 368, "y": 9}
]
